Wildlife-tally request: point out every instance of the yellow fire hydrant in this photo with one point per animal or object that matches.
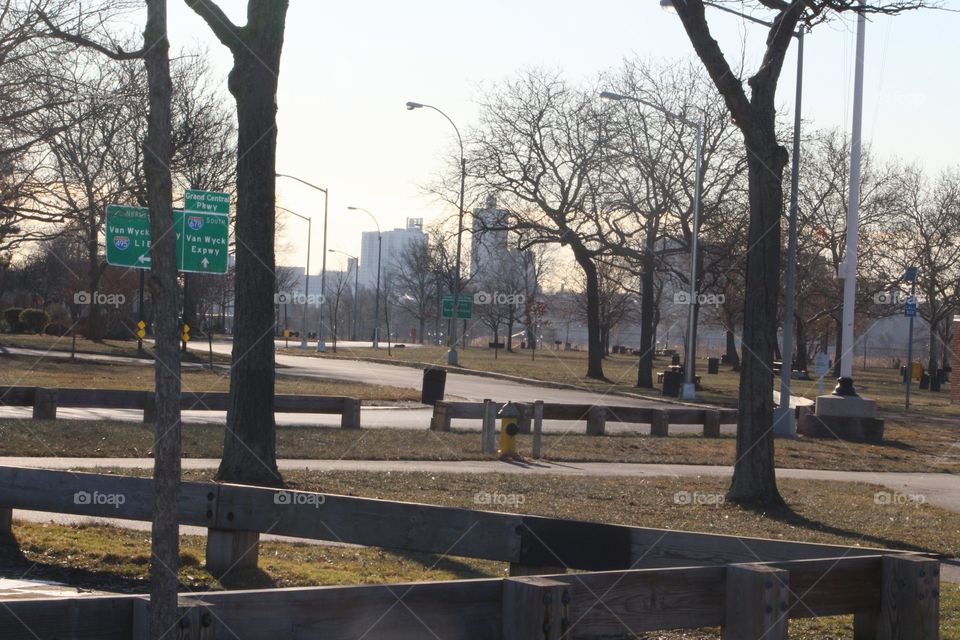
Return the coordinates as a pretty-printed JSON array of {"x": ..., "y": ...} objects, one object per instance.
[{"x": 509, "y": 428}]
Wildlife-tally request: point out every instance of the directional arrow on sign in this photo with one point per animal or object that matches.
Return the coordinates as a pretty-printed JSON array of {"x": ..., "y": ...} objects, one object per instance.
[{"x": 205, "y": 263}]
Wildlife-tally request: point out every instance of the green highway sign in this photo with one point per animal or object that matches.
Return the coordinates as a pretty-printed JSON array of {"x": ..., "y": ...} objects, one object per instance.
[
  {"x": 207, "y": 201},
  {"x": 128, "y": 236},
  {"x": 464, "y": 307},
  {"x": 201, "y": 241}
]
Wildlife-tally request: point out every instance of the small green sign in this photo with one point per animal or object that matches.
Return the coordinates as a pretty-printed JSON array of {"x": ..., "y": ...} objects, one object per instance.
[
  {"x": 207, "y": 201},
  {"x": 464, "y": 307},
  {"x": 128, "y": 236},
  {"x": 202, "y": 241}
]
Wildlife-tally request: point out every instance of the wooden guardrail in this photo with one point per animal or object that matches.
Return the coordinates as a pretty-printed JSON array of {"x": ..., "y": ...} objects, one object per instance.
[
  {"x": 650, "y": 579},
  {"x": 596, "y": 416},
  {"x": 45, "y": 402}
]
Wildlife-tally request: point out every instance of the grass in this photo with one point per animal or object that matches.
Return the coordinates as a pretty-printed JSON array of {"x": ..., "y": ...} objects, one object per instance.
[
  {"x": 568, "y": 367},
  {"x": 19, "y": 370},
  {"x": 196, "y": 352},
  {"x": 930, "y": 449},
  {"x": 842, "y": 513}
]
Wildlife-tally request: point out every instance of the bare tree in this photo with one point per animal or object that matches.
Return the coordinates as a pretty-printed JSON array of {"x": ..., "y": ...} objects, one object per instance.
[{"x": 416, "y": 285}]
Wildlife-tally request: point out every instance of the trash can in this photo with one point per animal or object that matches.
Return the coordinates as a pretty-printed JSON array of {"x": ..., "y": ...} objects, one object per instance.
[
  {"x": 672, "y": 381},
  {"x": 713, "y": 365},
  {"x": 434, "y": 383},
  {"x": 925, "y": 381},
  {"x": 675, "y": 359},
  {"x": 935, "y": 380}
]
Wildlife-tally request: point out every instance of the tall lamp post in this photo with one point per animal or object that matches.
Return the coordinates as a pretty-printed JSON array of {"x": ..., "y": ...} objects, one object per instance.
[
  {"x": 306, "y": 277},
  {"x": 356, "y": 277},
  {"x": 321, "y": 345},
  {"x": 784, "y": 423},
  {"x": 689, "y": 391},
  {"x": 376, "y": 306},
  {"x": 452, "y": 356}
]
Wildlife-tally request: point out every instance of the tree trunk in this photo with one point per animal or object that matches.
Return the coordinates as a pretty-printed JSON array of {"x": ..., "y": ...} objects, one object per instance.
[
  {"x": 932, "y": 361},
  {"x": 801, "y": 337},
  {"x": 733, "y": 358},
  {"x": 165, "y": 532},
  {"x": 594, "y": 334},
  {"x": 645, "y": 369},
  {"x": 249, "y": 451},
  {"x": 754, "y": 480}
]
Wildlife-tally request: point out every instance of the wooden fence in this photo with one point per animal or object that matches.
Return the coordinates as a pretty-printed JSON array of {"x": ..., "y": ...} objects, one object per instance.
[
  {"x": 595, "y": 416},
  {"x": 45, "y": 402},
  {"x": 637, "y": 579}
]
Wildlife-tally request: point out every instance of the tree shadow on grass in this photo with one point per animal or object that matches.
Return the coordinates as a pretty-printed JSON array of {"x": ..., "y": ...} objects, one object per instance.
[{"x": 432, "y": 562}]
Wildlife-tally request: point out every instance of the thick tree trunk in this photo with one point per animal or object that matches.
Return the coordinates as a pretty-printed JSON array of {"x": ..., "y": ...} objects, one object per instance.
[
  {"x": 754, "y": 480},
  {"x": 932, "y": 361},
  {"x": 801, "y": 346},
  {"x": 594, "y": 334},
  {"x": 733, "y": 358},
  {"x": 645, "y": 368},
  {"x": 165, "y": 556},
  {"x": 249, "y": 452}
]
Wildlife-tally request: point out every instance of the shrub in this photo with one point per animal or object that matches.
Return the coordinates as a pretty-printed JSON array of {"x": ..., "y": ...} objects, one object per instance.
[
  {"x": 11, "y": 317},
  {"x": 56, "y": 329},
  {"x": 33, "y": 320},
  {"x": 59, "y": 313}
]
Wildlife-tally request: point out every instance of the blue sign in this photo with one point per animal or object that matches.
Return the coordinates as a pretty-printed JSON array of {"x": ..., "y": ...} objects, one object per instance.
[
  {"x": 910, "y": 275},
  {"x": 910, "y": 307}
]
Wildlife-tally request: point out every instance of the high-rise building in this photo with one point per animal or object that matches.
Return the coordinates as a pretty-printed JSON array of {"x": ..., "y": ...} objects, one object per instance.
[
  {"x": 395, "y": 243},
  {"x": 489, "y": 239}
]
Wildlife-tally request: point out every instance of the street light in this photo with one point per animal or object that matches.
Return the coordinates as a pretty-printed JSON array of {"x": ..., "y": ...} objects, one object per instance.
[
  {"x": 321, "y": 345},
  {"x": 452, "y": 356},
  {"x": 376, "y": 312},
  {"x": 356, "y": 276},
  {"x": 306, "y": 277},
  {"x": 689, "y": 391},
  {"x": 784, "y": 423}
]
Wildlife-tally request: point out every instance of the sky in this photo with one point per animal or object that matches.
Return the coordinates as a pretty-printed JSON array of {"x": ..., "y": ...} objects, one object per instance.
[{"x": 348, "y": 68}]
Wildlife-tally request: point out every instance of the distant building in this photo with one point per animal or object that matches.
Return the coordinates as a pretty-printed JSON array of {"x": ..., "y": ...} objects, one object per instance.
[
  {"x": 395, "y": 243},
  {"x": 490, "y": 243}
]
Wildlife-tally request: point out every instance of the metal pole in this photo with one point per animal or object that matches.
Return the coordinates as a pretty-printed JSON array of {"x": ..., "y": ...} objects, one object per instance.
[
  {"x": 356, "y": 289},
  {"x": 306, "y": 289},
  {"x": 845, "y": 386},
  {"x": 321, "y": 344},
  {"x": 784, "y": 423},
  {"x": 376, "y": 313},
  {"x": 689, "y": 386}
]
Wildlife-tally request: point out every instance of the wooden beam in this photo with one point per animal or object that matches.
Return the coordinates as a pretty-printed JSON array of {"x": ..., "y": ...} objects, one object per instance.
[
  {"x": 6, "y": 521},
  {"x": 441, "y": 416},
  {"x": 711, "y": 424},
  {"x": 231, "y": 550},
  {"x": 195, "y": 620},
  {"x": 659, "y": 423},
  {"x": 84, "y": 618},
  {"x": 910, "y": 599},
  {"x": 44, "y": 404},
  {"x": 537, "y": 429},
  {"x": 350, "y": 418},
  {"x": 535, "y": 609},
  {"x": 519, "y": 570},
  {"x": 756, "y": 603}
]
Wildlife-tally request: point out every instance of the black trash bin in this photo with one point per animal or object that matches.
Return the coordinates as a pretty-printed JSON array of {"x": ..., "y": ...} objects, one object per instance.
[
  {"x": 925, "y": 380},
  {"x": 434, "y": 383},
  {"x": 675, "y": 359},
  {"x": 935, "y": 380},
  {"x": 672, "y": 381},
  {"x": 713, "y": 365}
]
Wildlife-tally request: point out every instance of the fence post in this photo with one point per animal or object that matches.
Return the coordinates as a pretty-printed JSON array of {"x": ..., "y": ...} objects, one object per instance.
[
  {"x": 488, "y": 429},
  {"x": 228, "y": 550},
  {"x": 659, "y": 423},
  {"x": 441, "y": 417},
  {"x": 535, "y": 609},
  {"x": 523, "y": 422},
  {"x": 909, "y": 599},
  {"x": 757, "y": 600},
  {"x": 865, "y": 625},
  {"x": 537, "y": 428},
  {"x": 149, "y": 407},
  {"x": 6, "y": 521},
  {"x": 711, "y": 424},
  {"x": 350, "y": 418},
  {"x": 596, "y": 421},
  {"x": 44, "y": 404}
]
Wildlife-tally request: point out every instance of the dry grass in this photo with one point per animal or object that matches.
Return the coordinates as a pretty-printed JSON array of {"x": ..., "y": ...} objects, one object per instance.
[{"x": 63, "y": 372}]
